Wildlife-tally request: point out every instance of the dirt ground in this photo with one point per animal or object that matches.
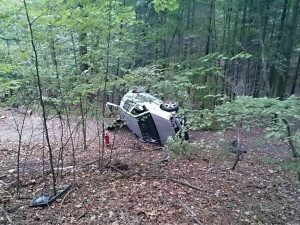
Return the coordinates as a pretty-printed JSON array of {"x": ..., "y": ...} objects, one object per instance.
[{"x": 194, "y": 190}]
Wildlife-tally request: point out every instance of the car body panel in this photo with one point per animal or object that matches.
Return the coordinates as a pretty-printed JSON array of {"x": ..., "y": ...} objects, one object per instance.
[{"x": 164, "y": 128}]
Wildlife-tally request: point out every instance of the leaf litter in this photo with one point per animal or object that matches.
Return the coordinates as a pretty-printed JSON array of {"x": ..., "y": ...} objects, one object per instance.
[{"x": 257, "y": 192}]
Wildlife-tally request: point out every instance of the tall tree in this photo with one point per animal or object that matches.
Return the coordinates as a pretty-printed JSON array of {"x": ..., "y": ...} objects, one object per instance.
[
  {"x": 288, "y": 49},
  {"x": 42, "y": 103},
  {"x": 274, "y": 76}
]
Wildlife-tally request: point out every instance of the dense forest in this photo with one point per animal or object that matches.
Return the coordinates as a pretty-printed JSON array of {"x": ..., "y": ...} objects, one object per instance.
[
  {"x": 233, "y": 67},
  {"x": 197, "y": 48}
]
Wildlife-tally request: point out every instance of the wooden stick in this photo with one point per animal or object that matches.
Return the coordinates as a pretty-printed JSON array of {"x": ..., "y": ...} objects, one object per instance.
[
  {"x": 81, "y": 216},
  {"x": 190, "y": 212},
  {"x": 174, "y": 179},
  {"x": 7, "y": 216},
  {"x": 124, "y": 174},
  {"x": 128, "y": 175},
  {"x": 14, "y": 208},
  {"x": 61, "y": 206},
  {"x": 184, "y": 183}
]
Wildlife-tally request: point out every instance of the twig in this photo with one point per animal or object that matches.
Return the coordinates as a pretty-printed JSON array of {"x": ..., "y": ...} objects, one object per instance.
[
  {"x": 81, "y": 216},
  {"x": 8, "y": 150},
  {"x": 128, "y": 175},
  {"x": 90, "y": 163},
  {"x": 190, "y": 212},
  {"x": 15, "y": 208},
  {"x": 175, "y": 181},
  {"x": 24, "y": 197},
  {"x": 146, "y": 149},
  {"x": 61, "y": 206},
  {"x": 7, "y": 216},
  {"x": 289, "y": 136},
  {"x": 235, "y": 148},
  {"x": 125, "y": 215},
  {"x": 238, "y": 158},
  {"x": 184, "y": 183}
]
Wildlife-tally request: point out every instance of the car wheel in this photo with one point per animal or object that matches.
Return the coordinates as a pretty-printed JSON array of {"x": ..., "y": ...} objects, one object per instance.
[
  {"x": 136, "y": 91},
  {"x": 170, "y": 106}
]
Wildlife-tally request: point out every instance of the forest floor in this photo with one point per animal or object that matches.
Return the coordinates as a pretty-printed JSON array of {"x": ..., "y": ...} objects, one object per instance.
[{"x": 194, "y": 190}]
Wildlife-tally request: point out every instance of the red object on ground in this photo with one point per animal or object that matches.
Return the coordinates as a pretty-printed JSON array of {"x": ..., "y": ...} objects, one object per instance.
[{"x": 106, "y": 139}]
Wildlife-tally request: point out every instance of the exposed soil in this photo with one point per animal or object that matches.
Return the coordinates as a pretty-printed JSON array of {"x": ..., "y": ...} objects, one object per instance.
[{"x": 200, "y": 189}]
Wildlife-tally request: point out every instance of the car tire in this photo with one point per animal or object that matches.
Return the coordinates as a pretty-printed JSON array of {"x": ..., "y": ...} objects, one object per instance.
[
  {"x": 136, "y": 91},
  {"x": 170, "y": 106}
]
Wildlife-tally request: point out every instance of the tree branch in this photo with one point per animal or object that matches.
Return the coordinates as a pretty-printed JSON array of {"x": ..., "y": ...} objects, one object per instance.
[{"x": 190, "y": 212}]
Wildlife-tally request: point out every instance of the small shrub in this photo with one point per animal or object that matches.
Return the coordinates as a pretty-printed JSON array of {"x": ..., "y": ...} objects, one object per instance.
[{"x": 177, "y": 148}]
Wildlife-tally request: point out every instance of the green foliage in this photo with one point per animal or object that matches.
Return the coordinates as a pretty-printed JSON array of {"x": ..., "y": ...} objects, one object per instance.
[
  {"x": 266, "y": 112},
  {"x": 241, "y": 55},
  {"x": 183, "y": 82},
  {"x": 176, "y": 147},
  {"x": 270, "y": 160},
  {"x": 157, "y": 44},
  {"x": 57, "y": 26},
  {"x": 161, "y": 5},
  {"x": 276, "y": 116}
]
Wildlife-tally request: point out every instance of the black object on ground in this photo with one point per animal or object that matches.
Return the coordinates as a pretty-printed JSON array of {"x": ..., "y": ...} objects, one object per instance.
[
  {"x": 47, "y": 199},
  {"x": 235, "y": 148}
]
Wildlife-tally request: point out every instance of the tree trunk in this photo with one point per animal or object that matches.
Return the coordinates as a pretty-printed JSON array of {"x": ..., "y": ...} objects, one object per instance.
[
  {"x": 228, "y": 44},
  {"x": 288, "y": 49},
  {"x": 101, "y": 160},
  {"x": 39, "y": 83},
  {"x": 83, "y": 67},
  {"x": 274, "y": 74},
  {"x": 226, "y": 23},
  {"x": 20, "y": 135},
  {"x": 263, "y": 22},
  {"x": 294, "y": 81},
  {"x": 187, "y": 34},
  {"x": 192, "y": 27},
  {"x": 209, "y": 28},
  {"x": 82, "y": 52},
  {"x": 242, "y": 35},
  {"x": 233, "y": 40},
  {"x": 58, "y": 109},
  {"x": 214, "y": 33}
]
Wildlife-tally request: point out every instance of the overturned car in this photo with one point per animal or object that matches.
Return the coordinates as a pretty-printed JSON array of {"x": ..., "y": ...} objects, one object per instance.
[{"x": 150, "y": 118}]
